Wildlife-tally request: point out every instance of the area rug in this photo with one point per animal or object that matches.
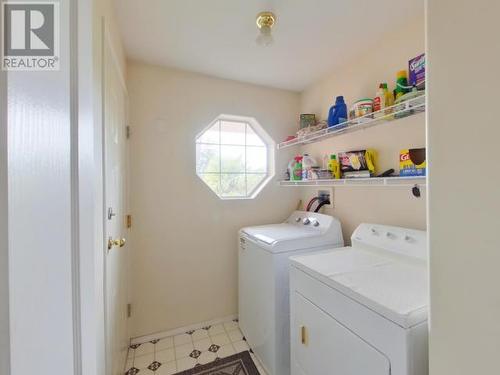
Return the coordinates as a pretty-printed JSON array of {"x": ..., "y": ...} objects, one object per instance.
[{"x": 238, "y": 364}]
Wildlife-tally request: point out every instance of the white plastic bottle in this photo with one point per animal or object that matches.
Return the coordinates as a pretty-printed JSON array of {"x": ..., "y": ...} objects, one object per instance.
[
  {"x": 379, "y": 100},
  {"x": 308, "y": 163}
]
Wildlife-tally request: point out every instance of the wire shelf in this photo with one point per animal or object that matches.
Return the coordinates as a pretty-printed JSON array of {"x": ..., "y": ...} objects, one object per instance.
[
  {"x": 393, "y": 113},
  {"x": 369, "y": 181}
]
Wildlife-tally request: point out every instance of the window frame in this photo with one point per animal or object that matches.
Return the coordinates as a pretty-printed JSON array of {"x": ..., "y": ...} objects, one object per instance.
[{"x": 269, "y": 145}]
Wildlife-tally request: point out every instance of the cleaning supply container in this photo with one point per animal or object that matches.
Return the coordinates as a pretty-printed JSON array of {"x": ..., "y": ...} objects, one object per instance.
[
  {"x": 308, "y": 163},
  {"x": 334, "y": 166},
  {"x": 361, "y": 108},
  {"x": 297, "y": 169},
  {"x": 338, "y": 113},
  {"x": 379, "y": 100},
  {"x": 401, "y": 84}
]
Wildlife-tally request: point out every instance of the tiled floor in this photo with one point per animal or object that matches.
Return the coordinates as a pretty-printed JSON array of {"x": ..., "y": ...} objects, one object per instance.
[{"x": 169, "y": 355}]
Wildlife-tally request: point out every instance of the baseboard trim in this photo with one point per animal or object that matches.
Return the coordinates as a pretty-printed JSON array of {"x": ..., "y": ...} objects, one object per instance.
[{"x": 177, "y": 331}]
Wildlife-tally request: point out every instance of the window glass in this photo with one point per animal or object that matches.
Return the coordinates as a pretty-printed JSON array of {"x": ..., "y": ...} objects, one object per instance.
[{"x": 232, "y": 158}]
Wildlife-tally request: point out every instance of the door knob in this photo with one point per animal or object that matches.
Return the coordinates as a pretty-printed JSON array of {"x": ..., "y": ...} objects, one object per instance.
[{"x": 118, "y": 242}]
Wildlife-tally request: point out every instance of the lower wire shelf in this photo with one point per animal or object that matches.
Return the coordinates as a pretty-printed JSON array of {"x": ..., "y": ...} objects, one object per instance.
[{"x": 370, "y": 181}]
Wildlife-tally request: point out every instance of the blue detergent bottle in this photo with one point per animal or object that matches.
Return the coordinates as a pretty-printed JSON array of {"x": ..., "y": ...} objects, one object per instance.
[{"x": 338, "y": 113}]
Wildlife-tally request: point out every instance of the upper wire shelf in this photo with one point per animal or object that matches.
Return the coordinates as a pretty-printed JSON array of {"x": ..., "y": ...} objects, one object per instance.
[{"x": 398, "y": 111}]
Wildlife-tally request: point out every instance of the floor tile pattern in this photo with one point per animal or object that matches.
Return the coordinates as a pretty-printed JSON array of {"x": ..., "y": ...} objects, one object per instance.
[{"x": 170, "y": 355}]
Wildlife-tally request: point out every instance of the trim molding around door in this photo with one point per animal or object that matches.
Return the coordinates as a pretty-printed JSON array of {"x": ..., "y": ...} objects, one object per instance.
[
  {"x": 4, "y": 232},
  {"x": 75, "y": 197},
  {"x": 86, "y": 190}
]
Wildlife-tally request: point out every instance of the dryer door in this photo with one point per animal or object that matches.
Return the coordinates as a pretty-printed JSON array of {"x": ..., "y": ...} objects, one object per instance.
[{"x": 321, "y": 345}]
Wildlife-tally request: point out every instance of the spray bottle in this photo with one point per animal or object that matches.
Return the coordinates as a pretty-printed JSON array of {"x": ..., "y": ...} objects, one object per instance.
[{"x": 297, "y": 169}]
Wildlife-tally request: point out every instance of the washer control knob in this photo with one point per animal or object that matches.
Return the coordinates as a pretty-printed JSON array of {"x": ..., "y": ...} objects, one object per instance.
[
  {"x": 316, "y": 223},
  {"x": 297, "y": 220},
  {"x": 306, "y": 221}
]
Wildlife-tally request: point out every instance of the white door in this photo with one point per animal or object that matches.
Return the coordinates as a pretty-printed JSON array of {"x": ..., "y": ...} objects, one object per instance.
[
  {"x": 321, "y": 345},
  {"x": 116, "y": 261}
]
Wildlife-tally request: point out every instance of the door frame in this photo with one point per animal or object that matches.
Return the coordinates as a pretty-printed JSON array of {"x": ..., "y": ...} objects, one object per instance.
[
  {"x": 77, "y": 16},
  {"x": 4, "y": 232},
  {"x": 89, "y": 285}
]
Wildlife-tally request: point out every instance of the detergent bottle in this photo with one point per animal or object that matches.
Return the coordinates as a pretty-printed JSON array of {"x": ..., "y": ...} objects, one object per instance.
[
  {"x": 297, "y": 169},
  {"x": 334, "y": 166},
  {"x": 389, "y": 96},
  {"x": 308, "y": 163},
  {"x": 401, "y": 84},
  {"x": 338, "y": 112}
]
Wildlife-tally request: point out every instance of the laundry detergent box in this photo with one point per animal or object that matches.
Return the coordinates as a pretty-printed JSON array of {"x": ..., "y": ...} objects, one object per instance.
[
  {"x": 412, "y": 162},
  {"x": 416, "y": 69}
]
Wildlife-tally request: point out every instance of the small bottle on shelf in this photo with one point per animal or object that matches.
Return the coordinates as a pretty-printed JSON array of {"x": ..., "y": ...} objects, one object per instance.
[
  {"x": 334, "y": 167},
  {"x": 297, "y": 169}
]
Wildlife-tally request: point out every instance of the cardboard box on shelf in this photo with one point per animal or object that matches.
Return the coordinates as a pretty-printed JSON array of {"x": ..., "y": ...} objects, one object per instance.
[
  {"x": 416, "y": 69},
  {"x": 412, "y": 162}
]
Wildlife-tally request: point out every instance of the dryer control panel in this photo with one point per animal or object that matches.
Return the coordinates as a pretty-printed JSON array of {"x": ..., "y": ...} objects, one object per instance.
[{"x": 402, "y": 241}]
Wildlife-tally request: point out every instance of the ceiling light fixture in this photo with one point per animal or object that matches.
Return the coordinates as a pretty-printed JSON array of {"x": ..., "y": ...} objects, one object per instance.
[{"x": 265, "y": 22}]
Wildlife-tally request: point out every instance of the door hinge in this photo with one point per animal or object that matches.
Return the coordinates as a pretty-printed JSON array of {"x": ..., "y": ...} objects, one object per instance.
[
  {"x": 127, "y": 131},
  {"x": 303, "y": 335},
  {"x": 129, "y": 310},
  {"x": 128, "y": 221}
]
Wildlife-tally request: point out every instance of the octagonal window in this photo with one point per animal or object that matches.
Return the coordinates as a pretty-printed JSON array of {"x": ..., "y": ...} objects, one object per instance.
[{"x": 234, "y": 157}]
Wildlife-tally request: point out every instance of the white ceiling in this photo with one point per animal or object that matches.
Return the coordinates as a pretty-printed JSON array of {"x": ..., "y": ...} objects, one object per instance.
[{"x": 217, "y": 37}]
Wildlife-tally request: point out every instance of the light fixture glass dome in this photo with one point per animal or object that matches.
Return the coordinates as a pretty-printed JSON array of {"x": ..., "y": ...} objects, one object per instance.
[{"x": 265, "y": 38}]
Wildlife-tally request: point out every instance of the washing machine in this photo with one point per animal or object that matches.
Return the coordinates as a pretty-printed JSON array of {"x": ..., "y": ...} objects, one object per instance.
[
  {"x": 362, "y": 310},
  {"x": 264, "y": 253}
]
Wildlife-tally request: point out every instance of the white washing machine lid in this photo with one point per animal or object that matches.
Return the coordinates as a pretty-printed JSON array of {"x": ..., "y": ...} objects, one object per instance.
[
  {"x": 302, "y": 230},
  {"x": 280, "y": 238},
  {"x": 393, "y": 288}
]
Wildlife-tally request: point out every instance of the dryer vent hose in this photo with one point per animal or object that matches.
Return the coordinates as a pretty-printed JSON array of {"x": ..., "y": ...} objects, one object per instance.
[
  {"x": 311, "y": 202},
  {"x": 321, "y": 205}
]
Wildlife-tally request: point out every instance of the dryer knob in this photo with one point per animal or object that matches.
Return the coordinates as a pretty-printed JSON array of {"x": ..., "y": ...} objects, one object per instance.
[
  {"x": 316, "y": 223},
  {"x": 307, "y": 221},
  {"x": 297, "y": 220}
]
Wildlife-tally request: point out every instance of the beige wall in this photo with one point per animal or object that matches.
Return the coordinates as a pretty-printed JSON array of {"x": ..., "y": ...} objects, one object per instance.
[
  {"x": 184, "y": 267},
  {"x": 464, "y": 201},
  {"x": 360, "y": 79}
]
